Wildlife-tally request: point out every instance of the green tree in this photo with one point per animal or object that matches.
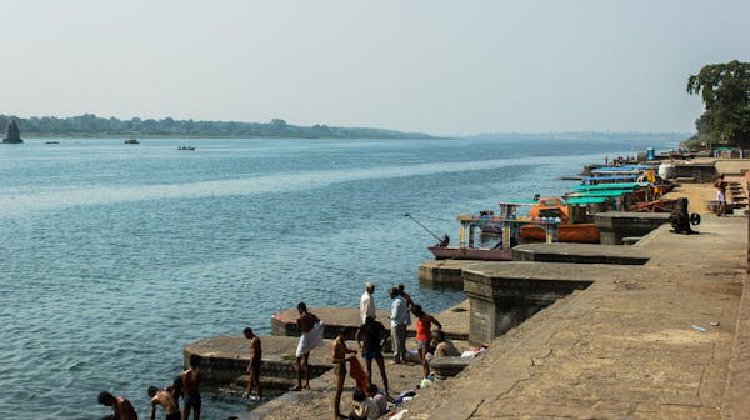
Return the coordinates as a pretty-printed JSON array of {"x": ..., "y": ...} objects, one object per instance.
[{"x": 725, "y": 92}]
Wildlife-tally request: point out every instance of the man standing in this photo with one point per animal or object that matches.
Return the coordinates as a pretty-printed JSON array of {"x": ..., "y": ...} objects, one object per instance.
[
  {"x": 398, "y": 325},
  {"x": 373, "y": 333},
  {"x": 166, "y": 400},
  {"x": 339, "y": 354},
  {"x": 191, "y": 380},
  {"x": 308, "y": 339},
  {"x": 721, "y": 195},
  {"x": 367, "y": 303},
  {"x": 120, "y": 405},
  {"x": 253, "y": 368}
]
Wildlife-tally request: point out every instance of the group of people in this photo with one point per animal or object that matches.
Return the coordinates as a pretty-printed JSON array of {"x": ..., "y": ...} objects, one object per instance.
[
  {"x": 185, "y": 385},
  {"x": 371, "y": 338}
]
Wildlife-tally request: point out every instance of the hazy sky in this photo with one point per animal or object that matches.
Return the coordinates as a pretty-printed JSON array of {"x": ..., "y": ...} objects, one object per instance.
[{"x": 459, "y": 67}]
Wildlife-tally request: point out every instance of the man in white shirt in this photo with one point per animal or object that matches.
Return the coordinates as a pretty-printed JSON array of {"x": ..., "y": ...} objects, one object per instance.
[
  {"x": 367, "y": 303},
  {"x": 398, "y": 318}
]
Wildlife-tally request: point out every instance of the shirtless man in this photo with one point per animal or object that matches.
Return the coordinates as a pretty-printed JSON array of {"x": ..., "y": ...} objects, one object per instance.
[
  {"x": 305, "y": 324},
  {"x": 339, "y": 354},
  {"x": 122, "y": 407},
  {"x": 374, "y": 335},
  {"x": 253, "y": 368},
  {"x": 191, "y": 380},
  {"x": 166, "y": 400}
]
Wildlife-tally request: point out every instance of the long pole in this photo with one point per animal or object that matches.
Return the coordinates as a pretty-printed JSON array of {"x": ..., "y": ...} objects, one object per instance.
[{"x": 422, "y": 226}]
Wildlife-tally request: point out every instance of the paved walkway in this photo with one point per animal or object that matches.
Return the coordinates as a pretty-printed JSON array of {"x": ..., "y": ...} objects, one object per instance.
[{"x": 625, "y": 347}]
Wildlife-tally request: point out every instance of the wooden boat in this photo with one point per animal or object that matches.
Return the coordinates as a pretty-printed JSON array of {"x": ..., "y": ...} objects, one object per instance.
[
  {"x": 586, "y": 233},
  {"x": 567, "y": 214},
  {"x": 132, "y": 141},
  {"x": 470, "y": 245}
]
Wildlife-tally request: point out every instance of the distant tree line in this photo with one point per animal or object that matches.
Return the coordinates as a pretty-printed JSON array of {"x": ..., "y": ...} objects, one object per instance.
[
  {"x": 725, "y": 92},
  {"x": 90, "y": 125}
]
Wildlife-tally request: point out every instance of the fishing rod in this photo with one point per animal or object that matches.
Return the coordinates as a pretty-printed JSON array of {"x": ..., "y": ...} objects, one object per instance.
[{"x": 422, "y": 226}]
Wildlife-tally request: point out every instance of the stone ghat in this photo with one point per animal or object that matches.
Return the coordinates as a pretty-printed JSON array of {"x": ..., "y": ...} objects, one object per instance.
[
  {"x": 225, "y": 358},
  {"x": 455, "y": 321},
  {"x": 580, "y": 254},
  {"x": 664, "y": 340}
]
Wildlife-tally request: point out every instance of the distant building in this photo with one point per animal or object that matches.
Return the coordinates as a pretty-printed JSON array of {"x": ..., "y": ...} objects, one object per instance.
[{"x": 12, "y": 134}]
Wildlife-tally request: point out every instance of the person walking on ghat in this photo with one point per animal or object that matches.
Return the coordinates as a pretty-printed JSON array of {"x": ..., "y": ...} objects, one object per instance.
[
  {"x": 398, "y": 325},
  {"x": 339, "y": 354},
  {"x": 191, "y": 380},
  {"x": 165, "y": 399},
  {"x": 424, "y": 335},
  {"x": 120, "y": 405},
  {"x": 253, "y": 368},
  {"x": 721, "y": 195},
  {"x": 373, "y": 334},
  {"x": 367, "y": 302},
  {"x": 311, "y": 332}
]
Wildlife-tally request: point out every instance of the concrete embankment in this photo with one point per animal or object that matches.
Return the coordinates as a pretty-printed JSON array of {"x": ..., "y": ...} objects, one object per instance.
[{"x": 667, "y": 339}]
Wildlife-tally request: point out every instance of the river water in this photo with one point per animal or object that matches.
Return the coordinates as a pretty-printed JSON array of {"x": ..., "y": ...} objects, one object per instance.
[{"x": 114, "y": 257}]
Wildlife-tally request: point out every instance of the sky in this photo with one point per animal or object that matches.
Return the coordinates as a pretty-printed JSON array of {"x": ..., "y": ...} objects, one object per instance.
[{"x": 440, "y": 67}]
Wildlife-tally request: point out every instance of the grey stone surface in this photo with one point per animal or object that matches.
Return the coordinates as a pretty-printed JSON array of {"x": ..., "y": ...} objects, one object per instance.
[
  {"x": 614, "y": 225},
  {"x": 580, "y": 254},
  {"x": 623, "y": 348}
]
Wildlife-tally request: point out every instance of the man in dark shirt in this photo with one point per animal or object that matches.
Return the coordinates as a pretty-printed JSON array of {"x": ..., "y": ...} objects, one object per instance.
[{"x": 373, "y": 334}]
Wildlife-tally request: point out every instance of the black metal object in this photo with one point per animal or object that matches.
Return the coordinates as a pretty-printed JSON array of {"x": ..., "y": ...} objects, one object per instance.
[{"x": 681, "y": 220}]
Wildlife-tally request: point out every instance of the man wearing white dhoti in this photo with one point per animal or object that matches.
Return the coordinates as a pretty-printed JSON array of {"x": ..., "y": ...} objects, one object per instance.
[{"x": 311, "y": 335}]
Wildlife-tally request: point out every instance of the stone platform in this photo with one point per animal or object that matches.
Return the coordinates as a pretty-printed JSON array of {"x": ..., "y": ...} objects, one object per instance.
[
  {"x": 614, "y": 225},
  {"x": 454, "y": 321},
  {"x": 224, "y": 358},
  {"x": 580, "y": 254},
  {"x": 667, "y": 340}
]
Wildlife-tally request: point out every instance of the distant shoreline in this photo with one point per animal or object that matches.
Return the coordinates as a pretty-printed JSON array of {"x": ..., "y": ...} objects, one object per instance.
[{"x": 85, "y": 136}]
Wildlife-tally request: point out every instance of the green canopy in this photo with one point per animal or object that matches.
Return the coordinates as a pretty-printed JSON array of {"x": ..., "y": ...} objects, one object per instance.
[
  {"x": 580, "y": 201},
  {"x": 603, "y": 193},
  {"x": 618, "y": 186}
]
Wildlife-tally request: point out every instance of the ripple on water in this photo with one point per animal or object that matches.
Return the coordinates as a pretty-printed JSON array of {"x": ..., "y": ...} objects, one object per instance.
[{"x": 118, "y": 262}]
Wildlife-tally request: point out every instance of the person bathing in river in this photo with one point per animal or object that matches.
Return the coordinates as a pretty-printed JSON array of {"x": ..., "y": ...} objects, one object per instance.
[
  {"x": 253, "y": 368},
  {"x": 311, "y": 335},
  {"x": 424, "y": 335},
  {"x": 165, "y": 399},
  {"x": 120, "y": 405},
  {"x": 191, "y": 380}
]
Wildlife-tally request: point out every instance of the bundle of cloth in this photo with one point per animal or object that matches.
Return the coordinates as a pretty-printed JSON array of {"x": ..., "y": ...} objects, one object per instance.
[{"x": 311, "y": 339}]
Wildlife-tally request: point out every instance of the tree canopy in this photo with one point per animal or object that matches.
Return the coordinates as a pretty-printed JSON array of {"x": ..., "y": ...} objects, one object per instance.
[
  {"x": 90, "y": 125},
  {"x": 725, "y": 92}
]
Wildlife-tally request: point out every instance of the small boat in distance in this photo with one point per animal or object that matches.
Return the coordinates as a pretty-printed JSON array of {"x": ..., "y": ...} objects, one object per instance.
[
  {"x": 132, "y": 141},
  {"x": 186, "y": 148},
  {"x": 52, "y": 142}
]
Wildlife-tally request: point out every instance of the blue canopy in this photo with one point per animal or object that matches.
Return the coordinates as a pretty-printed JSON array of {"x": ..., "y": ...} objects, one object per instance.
[
  {"x": 626, "y": 168},
  {"x": 613, "y": 186}
]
